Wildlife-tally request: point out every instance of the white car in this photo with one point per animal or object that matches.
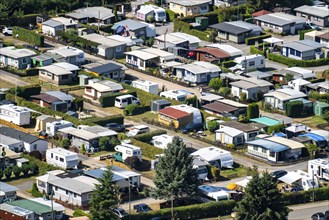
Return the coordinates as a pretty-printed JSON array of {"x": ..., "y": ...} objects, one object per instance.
[
  {"x": 8, "y": 31},
  {"x": 120, "y": 212}
]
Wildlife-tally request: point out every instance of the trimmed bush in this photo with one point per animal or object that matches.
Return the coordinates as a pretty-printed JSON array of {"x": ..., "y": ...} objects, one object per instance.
[
  {"x": 228, "y": 64},
  {"x": 294, "y": 108},
  {"x": 259, "y": 39},
  {"x": 26, "y": 91},
  {"x": 170, "y": 15},
  {"x": 35, "y": 192},
  {"x": 254, "y": 50},
  {"x": 300, "y": 63},
  {"x": 147, "y": 137},
  {"x": 197, "y": 211},
  {"x": 130, "y": 109},
  {"x": 109, "y": 119},
  {"x": 30, "y": 37},
  {"x": 275, "y": 128},
  {"x": 147, "y": 149},
  {"x": 303, "y": 32},
  {"x": 301, "y": 197},
  {"x": 79, "y": 213},
  {"x": 252, "y": 111}
]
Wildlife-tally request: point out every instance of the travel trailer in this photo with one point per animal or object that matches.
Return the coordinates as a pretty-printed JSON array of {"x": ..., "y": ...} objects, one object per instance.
[
  {"x": 62, "y": 158},
  {"x": 138, "y": 129},
  {"x": 124, "y": 100},
  {"x": 201, "y": 168},
  {"x": 161, "y": 141},
  {"x": 301, "y": 179},
  {"x": 215, "y": 156},
  {"x": 207, "y": 193},
  {"x": 319, "y": 168},
  {"x": 158, "y": 14},
  {"x": 146, "y": 86},
  {"x": 15, "y": 114},
  {"x": 174, "y": 95},
  {"x": 248, "y": 63},
  {"x": 53, "y": 127},
  {"x": 124, "y": 150}
]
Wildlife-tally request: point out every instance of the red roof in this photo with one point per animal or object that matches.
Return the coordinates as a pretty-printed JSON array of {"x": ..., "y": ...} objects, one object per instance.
[
  {"x": 324, "y": 36},
  {"x": 260, "y": 13},
  {"x": 218, "y": 53},
  {"x": 173, "y": 113}
]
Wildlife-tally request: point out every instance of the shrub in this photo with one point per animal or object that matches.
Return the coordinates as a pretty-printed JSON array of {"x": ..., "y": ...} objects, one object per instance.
[
  {"x": 29, "y": 36},
  {"x": 299, "y": 63},
  {"x": 216, "y": 83},
  {"x": 215, "y": 173},
  {"x": 252, "y": 111},
  {"x": 254, "y": 50},
  {"x": 275, "y": 128},
  {"x": 17, "y": 171},
  {"x": 26, "y": 91},
  {"x": 170, "y": 15},
  {"x": 147, "y": 137},
  {"x": 228, "y": 64},
  {"x": 8, "y": 172},
  {"x": 312, "y": 150},
  {"x": 243, "y": 96},
  {"x": 26, "y": 169},
  {"x": 133, "y": 162},
  {"x": 34, "y": 168},
  {"x": 224, "y": 91},
  {"x": 267, "y": 107},
  {"x": 303, "y": 32},
  {"x": 109, "y": 119},
  {"x": 38, "y": 166},
  {"x": 78, "y": 104},
  {"x": 1, "y": 173},
  {"x": 294, "y": 108},
  {"x": 212, "y": 125},
  {"x": 65, "y": 143},
  {"x": 301, "y": 197},
  {"x": 197, "y": 211},
  {"x": 79, "y": 213},
  {"x": 150, "y": 18},
  {"x": 131, "y": 109},
  {"x": 147, "y": 149},
  {"x": 259, "y": 39},
  {"x": 193, "y": 101},
  {"x": 35, "y": 192}
]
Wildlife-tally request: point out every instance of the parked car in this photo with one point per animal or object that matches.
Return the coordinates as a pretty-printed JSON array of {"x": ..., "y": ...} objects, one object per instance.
[
  {"x": 160, "y": 218},
  {"x": 116, "y": 127},
  {"x": 326, "y": 214},
  {"x": 278, "y": 174},
  {"x": 120, "y": 212},
  {"x": 191, "y": 127},
  {"x": 142, "y": 207},
  {"x": 309, "y": 25},
  {"x": 318, "y": 216},
  {"x": 8, "y": 31}
]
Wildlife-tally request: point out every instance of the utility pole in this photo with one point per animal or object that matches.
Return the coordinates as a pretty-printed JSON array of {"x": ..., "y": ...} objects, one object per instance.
[
  {"x": 129, "y": 198},
  {"x": 52, "y": 204}
]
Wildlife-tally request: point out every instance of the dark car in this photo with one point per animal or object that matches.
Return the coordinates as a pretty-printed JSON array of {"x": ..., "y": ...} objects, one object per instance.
[
  {"x": 326, "y": 214},
  {"x": 116, "y": 127},
  {"x": 160, "y": 218},
  {"x": 121, "y": 213},
  {"x": 142, "y": 207},
  {"x": 192, "y": 127},
  {"x": 318, "y": 216},
  {"x": 278, "y": 174}
]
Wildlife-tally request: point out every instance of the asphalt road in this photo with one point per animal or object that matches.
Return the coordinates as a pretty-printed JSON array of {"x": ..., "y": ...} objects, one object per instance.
[{"x": 305, "y": 211}]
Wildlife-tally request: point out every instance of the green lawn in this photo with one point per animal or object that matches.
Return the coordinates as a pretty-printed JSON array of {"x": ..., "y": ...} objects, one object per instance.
[
  {"x": 138, "y": 118},
  {"x": 239, "y": 172},
  {"x": 47, "y": 86},
  {"x": 100, "y": 153},
  {"x": 149, "y": 174},
  {"x": 209, "y": 135},
  {"x": 6, "y": 84},
  {"x": 19, "y": 181},
  {"x": 312, "y": 121}
]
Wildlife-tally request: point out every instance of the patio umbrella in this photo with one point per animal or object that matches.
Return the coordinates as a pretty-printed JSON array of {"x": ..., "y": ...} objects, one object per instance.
[
  {"x": 232, "y": 186},
  {"x": 272, "y": 41}
]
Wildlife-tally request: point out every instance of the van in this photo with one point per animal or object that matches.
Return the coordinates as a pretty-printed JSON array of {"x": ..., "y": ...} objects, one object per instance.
[
  {"x": 139, "y": 129},
  {"x": 124, "y": 100}
]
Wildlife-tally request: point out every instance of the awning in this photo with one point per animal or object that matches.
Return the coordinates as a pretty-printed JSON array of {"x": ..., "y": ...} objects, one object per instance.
[
  {"x": 290, "y": 177},
  {"x": 244, "y": 182},
  {"x": 272, "y": 40},
  {"x": 232, "y": 186}
]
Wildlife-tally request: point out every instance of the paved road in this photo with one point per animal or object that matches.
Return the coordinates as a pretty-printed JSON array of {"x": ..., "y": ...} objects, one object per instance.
[
  {"x": 305, "y": 211},
  {"x": 13, "y": 79}
]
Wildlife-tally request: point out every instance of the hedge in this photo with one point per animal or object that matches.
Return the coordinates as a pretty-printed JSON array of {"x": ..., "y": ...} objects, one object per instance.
[
  {"x": 29, "y": 36},
  {"x": 228, "y": 64},
  {"x": 26, "y": 91},
  {"x": 148, "y": 150},
  {"x": 170, "y": 15},
  {"x": 294, "y": 108},
  {"x": 22, "y": 21},
  {"x": 109, "y": 119},
  {"x": 197, "y": 211},
  {"x": 252, "y": 40},
  {"x": 22, "y": 72},
  {"x": 300, "y": 63},
  {"x": 302, "y": 197},
  {"x": 303, "y": 32},
  {"x": 254, "y": 50},
  {"x": 184, "y": 27},
  {"x": 320, "y": 97},
  {"x": 147, "y": 137}
]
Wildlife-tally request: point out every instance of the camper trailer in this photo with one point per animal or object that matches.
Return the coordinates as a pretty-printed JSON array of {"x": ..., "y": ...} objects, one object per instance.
[
  {"x": 146, "y": 86},
  {"x": 174, "y": 95},
  {"x": 138, "y": 129},
  {"x": 319, "y": 168},
  {"x": 62, "y": 158},
  {"x": 248, "y": 63},
  {"x": 53, "y": 127},
  {"x": 158, "y": 14},
  {"x": 215, "y": 156},
  {"x": 201, "y": 168},
  {"x": 123, "y": 151},
  {"x": 161, "y": 141},
  {"x": 15, "y": 114},
  {"x": 300, "y": 179},
  {"x": 124, "y": 100},
  {"x": 207, "y": 193}
]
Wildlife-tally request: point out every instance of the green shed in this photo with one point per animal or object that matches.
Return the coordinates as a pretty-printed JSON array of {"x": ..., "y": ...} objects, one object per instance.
[
  {"x": 320, "y": 108},
  {"x": 203, "y": 21}
]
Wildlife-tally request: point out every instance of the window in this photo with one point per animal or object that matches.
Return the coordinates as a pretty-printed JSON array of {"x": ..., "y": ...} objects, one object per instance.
[
  {"x": 66, "y": 192},
  {"x": 75, "y": 195},
  {"x": 34, "y": 146},
  {"x": 252, "y": 63},
  {"x": 61, "y": 159},
  {"x": 181, "y": 8},
  {"x": 203, "y": 7},
  {"x": 128, "y": 152},
  {"x": 56, "y": 157},
  {"x": 56, "y": 188},
  {"x": 118, "y": 49},
  {"x": 174, "y": 5},
  {"x": 262, "y": 62},
  {"x": 52, "y": 155},
  {"x": 24, "y": 61},
  {"x": 255, "y": 148},
  {"x": 298, "y": 53},
  {"x": 292, "y": 51},
  {"x": 135, "y": 58},
  {"x": 263, "y": 150},
  {"x": 272, "y": 154},
  {"x": 188, "y": 9}
]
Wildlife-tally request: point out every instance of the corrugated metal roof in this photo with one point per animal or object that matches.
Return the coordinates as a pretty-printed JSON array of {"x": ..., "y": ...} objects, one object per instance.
[
  {"x": 230, "y": 28},
  {"x": 287, "y": 142},
  {"x": 173, "y": 113},
  {"x": 269, "y": 145}
]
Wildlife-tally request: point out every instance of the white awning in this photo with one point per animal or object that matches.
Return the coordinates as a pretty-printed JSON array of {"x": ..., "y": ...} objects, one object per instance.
[
  {"x": 273, "y": 40},
  {"x": 244, "y": 182},
  {"x": 290, "y": 177}
]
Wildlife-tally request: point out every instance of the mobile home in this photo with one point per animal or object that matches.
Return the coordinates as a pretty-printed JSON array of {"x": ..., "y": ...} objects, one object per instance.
[
  {"x": 174, "y": 95},
  {"x": 146, "y": 86},
  {"x": 215, "y": 156},
  {"x": 15, "y": 114},
  {"x": 207, "y": 193},
  {"x": 159, "y": 14},
  {"x": 123, "y": 151},
  {"x": 319, "y": 168},
  {"x": 53, "y": 127},
  {"x": 201, "y": 168},
  {"x": 124, "y": 100},
  {"x": 139, "y": 129},
  {"x": 62, "y": 158},
  {"x": 248, "y": 63},
  {"x": 161, "y": 141}
]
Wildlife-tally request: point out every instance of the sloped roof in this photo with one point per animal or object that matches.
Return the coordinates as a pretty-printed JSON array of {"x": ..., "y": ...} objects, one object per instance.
[
  {"x": 214, "y": 51},
  {"x": 260, "y": 13},
  {"x": 173, "y": 113},
  {"x": 45, "y": 97},
  {"x": 19, "y": 135}
]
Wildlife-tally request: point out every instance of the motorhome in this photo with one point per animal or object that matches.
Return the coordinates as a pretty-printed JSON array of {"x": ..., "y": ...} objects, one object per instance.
[
  {"x": 162, "y": 141},
  {"x": 146, "y": 86},
  {"x": 124, "y": 150},
  {"x": 158, "y": 14},
  {"x": 248, "y": 63},
  {"x": 138, "y": 129},
  {"x": 207, "y": 193},
  {"x": 201, "y": 168},
  {"x": 319, "y": 168},
  {"x": 124, "y": 100},
  {"x": 215, "y": 156},
  {"x": 53, "y": 127},
  {"x": 15, "y": 114},
  {"x": 174, "y": 95},
  {"x": 62, "y": 158}
]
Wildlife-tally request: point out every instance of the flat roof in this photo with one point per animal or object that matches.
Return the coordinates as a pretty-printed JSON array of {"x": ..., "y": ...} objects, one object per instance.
[
  {"x": 218, "y": 53},
  {"x": 266, "y": 121},
  {"x": 72, "y": 185},
  {"x": 286, "y": 94},
  {"x": 131, "y": 24},
  {"x": 277, "y": 20},
  {"x": 160, "y": 53},
  {"x": 243, "y": 84},
  {"x": 92, "y": 12},
  {"x": 233, "y": 103},
  {"x": 303, "y": 46},
  {"x": 65, "y": 21},
  {"x": 239, "y": 126},
  {"x": 30, "y": 205},
  {"x": 190, "y": 2},
  {"x": 230, "y": 28},
  {"x": 269, "y": 145},
  {"x": 173, "y": 112},
  {"x": 227, "y": 48},
  {"x": 106, "y": 86},
  {"x": 63, "y": 152},
  {"x": 219, "y": 107},
  {"x": 318, "y": 11},
  {"x": 52, "y": 23},
  {"x": 102, "y": 40},
  {"x": 83, "y": 134},
  {"x": 16, "y": 53},
  {"x": 229, "y": 131},
  {"x": 211, "y": 153},
  {"x": 4, "y": 187},
  {"x": 210, "y": 97},
  {"x": 56, "y": 70},
  {"x": 287, "y": 142},
  {"x": 142, "y": 54}
]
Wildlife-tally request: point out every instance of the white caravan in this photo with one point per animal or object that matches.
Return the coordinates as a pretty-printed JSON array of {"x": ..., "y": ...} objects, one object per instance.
[
  {"x": 162, "y": 141},
  {"x": 15, "y": 114},
  {"x": 174, "y": 95},
  {"x": 62, "y": 158},
  {"x": 138, "y": 129},
  {"x": 301, "y": 179},
  {"x": 207, "y": 193},
  {"x": 201, "y": 168},
  {"x": 53, "y": 127},
  {"x": 159, "y": 14},
  {"x": 215, "y": 156},
  {"x": 124, "y": 150},
  {"x": 146, "y": 86},
  {"x": 319, "y": 168},
  {"x": 248, "y": 63},
  {"x": 124, "y": 100}
]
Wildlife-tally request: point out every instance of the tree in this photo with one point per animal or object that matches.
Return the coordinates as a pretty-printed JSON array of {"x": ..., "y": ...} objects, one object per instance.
[
  {"x": 262, "y": 199},
  {"x": 17, "y": 171},
  {"x": 25, "y": 168},
  {"x": 83, "y": 149},
  {"x": 34, "y": 168},
  {"x": 212, "y": 125},
  {"x": 35, "y": 191},
  {"x": 325, "y": 116},
  {"x": 224, "y": 91},
  {"x": 215, "y": 83},
  {"x": 252, "y": 111},
  {"x": 104, "y": 198},
  {"x": 175, "y": 176},
  {"x": 131, "y": 109},
  {"x": 133, "y": 162},
  {"x": 150, "y": 18},
  {"x": 275, "y": 128},
  {"x": 104, "y": 143},
  {"x": 215, "y": 173},
  {"x": 65, "y": 143},
  {"x": 243, "y": 96},
  {"x": 8, "y": 172},
  {"x": 194, "y": 101},
  {"x": 312, "y": 150}
]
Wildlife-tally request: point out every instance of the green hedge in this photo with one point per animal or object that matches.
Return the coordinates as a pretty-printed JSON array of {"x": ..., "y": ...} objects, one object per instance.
[
  {"x": 255, "y": 50},
  {"x": 170, "y": 15},
  {"x": 148, "y": 150},
  {"x": 147, "y": 137},
  {"x": 198, "y": 211},
  {"x": 294, "y": 108},
  {"x": 26, "y": 91},
  {"x": 22, "y": 21},
  {"x": 320, "y": 194},
  {"x": 29, "y": 36},
  {"x": 109, "y": 119},
  {"x": 320, "y": 97},
  {"x": 259, "y": 39},
  {"x": 293, "y": 62},
  {"x": 228, "y": 64},
  {"x": 184, "y": 27},
  {"x": 303, "y": 32}
]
